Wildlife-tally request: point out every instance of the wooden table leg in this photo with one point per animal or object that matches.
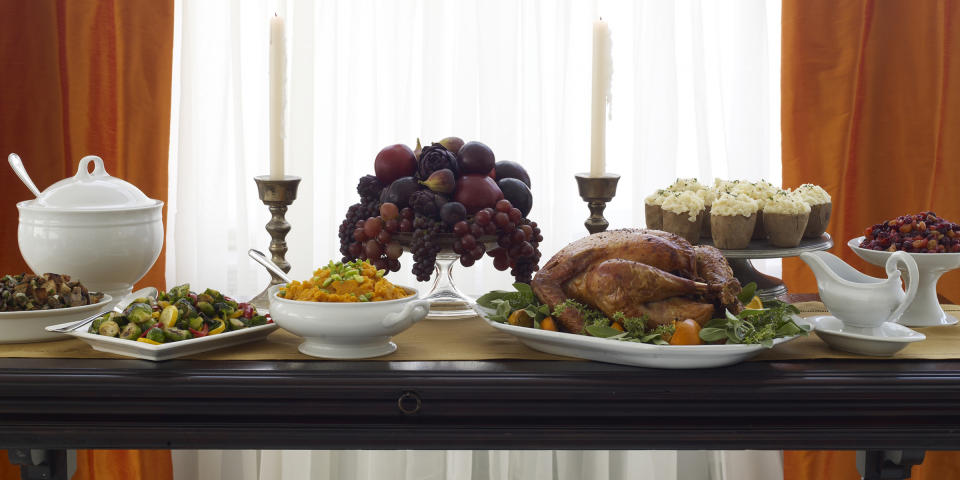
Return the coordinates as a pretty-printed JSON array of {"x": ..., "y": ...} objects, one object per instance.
[
  {"x": 888, "y": 464},
  {"x": 40, "y": 464}
]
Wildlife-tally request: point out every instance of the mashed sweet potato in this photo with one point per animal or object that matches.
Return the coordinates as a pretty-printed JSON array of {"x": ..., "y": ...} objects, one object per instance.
[{"x": 344, "y": 282}]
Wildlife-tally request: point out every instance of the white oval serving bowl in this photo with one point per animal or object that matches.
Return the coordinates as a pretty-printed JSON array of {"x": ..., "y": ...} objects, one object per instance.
[
  {"x": 925, "y": 310},
  {"x": 347, "y": 330},
  {"x": 96, "y": 228},
  {"x": 30, "y": 326}
]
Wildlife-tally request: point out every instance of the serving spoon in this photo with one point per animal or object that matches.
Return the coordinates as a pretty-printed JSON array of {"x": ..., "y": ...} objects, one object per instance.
[
  {"x": 262, "y": 259},
  {"x": 148, "y": 292},
  {"x": 21, "y": 172}
]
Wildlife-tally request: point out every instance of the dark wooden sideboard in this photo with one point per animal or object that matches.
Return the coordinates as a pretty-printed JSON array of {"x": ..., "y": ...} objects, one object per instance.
[{"x": 817, "y": 404}]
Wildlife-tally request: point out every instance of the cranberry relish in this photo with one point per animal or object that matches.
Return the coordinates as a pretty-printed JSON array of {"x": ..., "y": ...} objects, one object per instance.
[{"x": 921, "y": 233}]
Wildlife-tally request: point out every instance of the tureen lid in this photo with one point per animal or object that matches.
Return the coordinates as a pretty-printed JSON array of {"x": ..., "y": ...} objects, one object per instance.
[{"x": 93, "y": 190}]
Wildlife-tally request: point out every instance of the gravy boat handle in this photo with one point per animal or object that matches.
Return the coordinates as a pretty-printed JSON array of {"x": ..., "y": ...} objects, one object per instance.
[{"x": 905, "y": 260}]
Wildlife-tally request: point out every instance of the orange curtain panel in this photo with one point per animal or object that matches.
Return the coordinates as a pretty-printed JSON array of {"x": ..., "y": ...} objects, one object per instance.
[
  {"x": 86, "y": 77},
  {"x": 870, "y": 111}
]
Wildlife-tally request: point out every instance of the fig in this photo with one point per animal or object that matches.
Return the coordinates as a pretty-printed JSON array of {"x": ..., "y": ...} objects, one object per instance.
[
  {"x": 453, "y": 212},
  {"x": 511, "y": 169},
  {"x": 399, "y": 192},
  {"x": 441, "y": 181},
  {"x": 476, "y": 192},
  {"x": 393, "y": 162},
  {"x": 517, "y": 193},
  {"x": 452, "y": 144},
  {"x": 475, "y": 157}
]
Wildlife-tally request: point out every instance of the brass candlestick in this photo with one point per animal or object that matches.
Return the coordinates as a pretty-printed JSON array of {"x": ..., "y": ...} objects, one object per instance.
[
  {"x": 277, "y": 195},
  {"x": 597, "y": 191}
]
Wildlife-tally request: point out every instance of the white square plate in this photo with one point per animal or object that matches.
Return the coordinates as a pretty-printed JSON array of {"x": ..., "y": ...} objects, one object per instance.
[{"x": 168, "y": 351}]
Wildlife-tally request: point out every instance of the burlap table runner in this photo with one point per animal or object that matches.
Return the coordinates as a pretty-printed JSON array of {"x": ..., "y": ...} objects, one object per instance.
[{"x": 472, "y": 339}]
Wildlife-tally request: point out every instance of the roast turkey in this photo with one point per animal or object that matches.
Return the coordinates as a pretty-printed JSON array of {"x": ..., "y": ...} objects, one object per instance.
[{"x": 638, "y": 272}]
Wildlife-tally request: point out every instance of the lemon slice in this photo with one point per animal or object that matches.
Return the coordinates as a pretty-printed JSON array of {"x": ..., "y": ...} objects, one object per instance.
[
  {"x": 169, "y": 316},
  {"x": 220, "y": 328},
  {"x": 754, "y": 304}
]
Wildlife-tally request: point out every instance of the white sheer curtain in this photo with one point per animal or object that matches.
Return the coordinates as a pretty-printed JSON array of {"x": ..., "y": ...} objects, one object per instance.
[{"x": 695, "y": 93}]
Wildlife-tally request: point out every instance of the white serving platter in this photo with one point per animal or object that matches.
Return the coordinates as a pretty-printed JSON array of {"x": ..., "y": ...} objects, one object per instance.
[
  {"x": 31, "y": 326},
  {"x": 169, "y": 351},
  {"x": 632, "y": 353}
]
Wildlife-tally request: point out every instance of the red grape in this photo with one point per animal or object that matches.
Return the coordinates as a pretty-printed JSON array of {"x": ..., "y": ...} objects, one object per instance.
[
  {"x": 504, "y": 206},
  {"x": 518, "y": 236},
  {"x": 477, "y": 252},
  {"x": 468, "y": 241},
  {"x": 489, "y": 229},
  {"x": 407, "y": 213},
  {"x": 466, "y": 261},
  {"x": 389, "y": 211},
  {"x": 482, "y": 218},
  {"x": 476, "y": 230},
  {"x": 392, "y": 226},
  {"x": 501, "y": 219},
  {"x": 406, "y": 225},
  {"x": 384, "y": 237},
  {"x": 360, "y": 223},
  {"x": 527, "y": 231},
  {"x": 501, "y": 262},
  {"x": 394, "y": 250},
  {"x": 372, "y": 227},
  {"x": 461, "y": 228},
  {"x": 373, "y": 249},
  {"x": 358, "y": 235},
  {"x": 356, "y": 249}
]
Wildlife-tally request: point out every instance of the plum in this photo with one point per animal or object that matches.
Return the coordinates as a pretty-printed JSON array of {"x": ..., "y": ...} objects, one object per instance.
[
  {"x": 393, "y": 162},
  {"x": 511, "y": 169},
  {"x": 399, "y": 192},
  {"x": 476, "y": 192},
  {"x": 517, "y": 193},
  {"x": 475, "y": 157},
  {"x": 453, "y": 212}
]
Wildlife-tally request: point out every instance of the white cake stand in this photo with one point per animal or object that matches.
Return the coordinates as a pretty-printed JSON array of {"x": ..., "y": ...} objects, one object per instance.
[{"x": 925, "y": 311}]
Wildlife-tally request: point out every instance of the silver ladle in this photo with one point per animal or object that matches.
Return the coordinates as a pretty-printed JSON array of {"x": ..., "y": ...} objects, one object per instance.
[
  {"x": 21, "y": 172},
  {"x": 262, "y": 259}
]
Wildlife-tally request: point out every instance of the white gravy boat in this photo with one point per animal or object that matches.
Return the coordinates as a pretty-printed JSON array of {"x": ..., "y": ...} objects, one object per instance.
[{"x": 863, "y": 303}]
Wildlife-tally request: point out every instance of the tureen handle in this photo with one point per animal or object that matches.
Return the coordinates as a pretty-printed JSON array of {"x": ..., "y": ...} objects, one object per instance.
[
  {"x": 412, "y": 313},
  {"x": 83, "y": 171}
]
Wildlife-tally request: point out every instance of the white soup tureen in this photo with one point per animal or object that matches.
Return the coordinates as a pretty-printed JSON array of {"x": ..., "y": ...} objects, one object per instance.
[{"x": 96, "y": 228}]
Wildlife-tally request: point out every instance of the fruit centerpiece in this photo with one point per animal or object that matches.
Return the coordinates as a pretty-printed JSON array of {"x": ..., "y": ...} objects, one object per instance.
[{"x": 449, "y": 201}]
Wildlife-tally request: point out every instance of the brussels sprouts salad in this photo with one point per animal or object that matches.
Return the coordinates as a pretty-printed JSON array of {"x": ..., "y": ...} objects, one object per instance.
[{"x": 178, "y": 314}]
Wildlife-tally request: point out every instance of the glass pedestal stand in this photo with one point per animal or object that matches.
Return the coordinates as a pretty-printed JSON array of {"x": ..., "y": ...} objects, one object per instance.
[
  {"x": 768, "y": 287},
  {"x": 446, "y": 300}
]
